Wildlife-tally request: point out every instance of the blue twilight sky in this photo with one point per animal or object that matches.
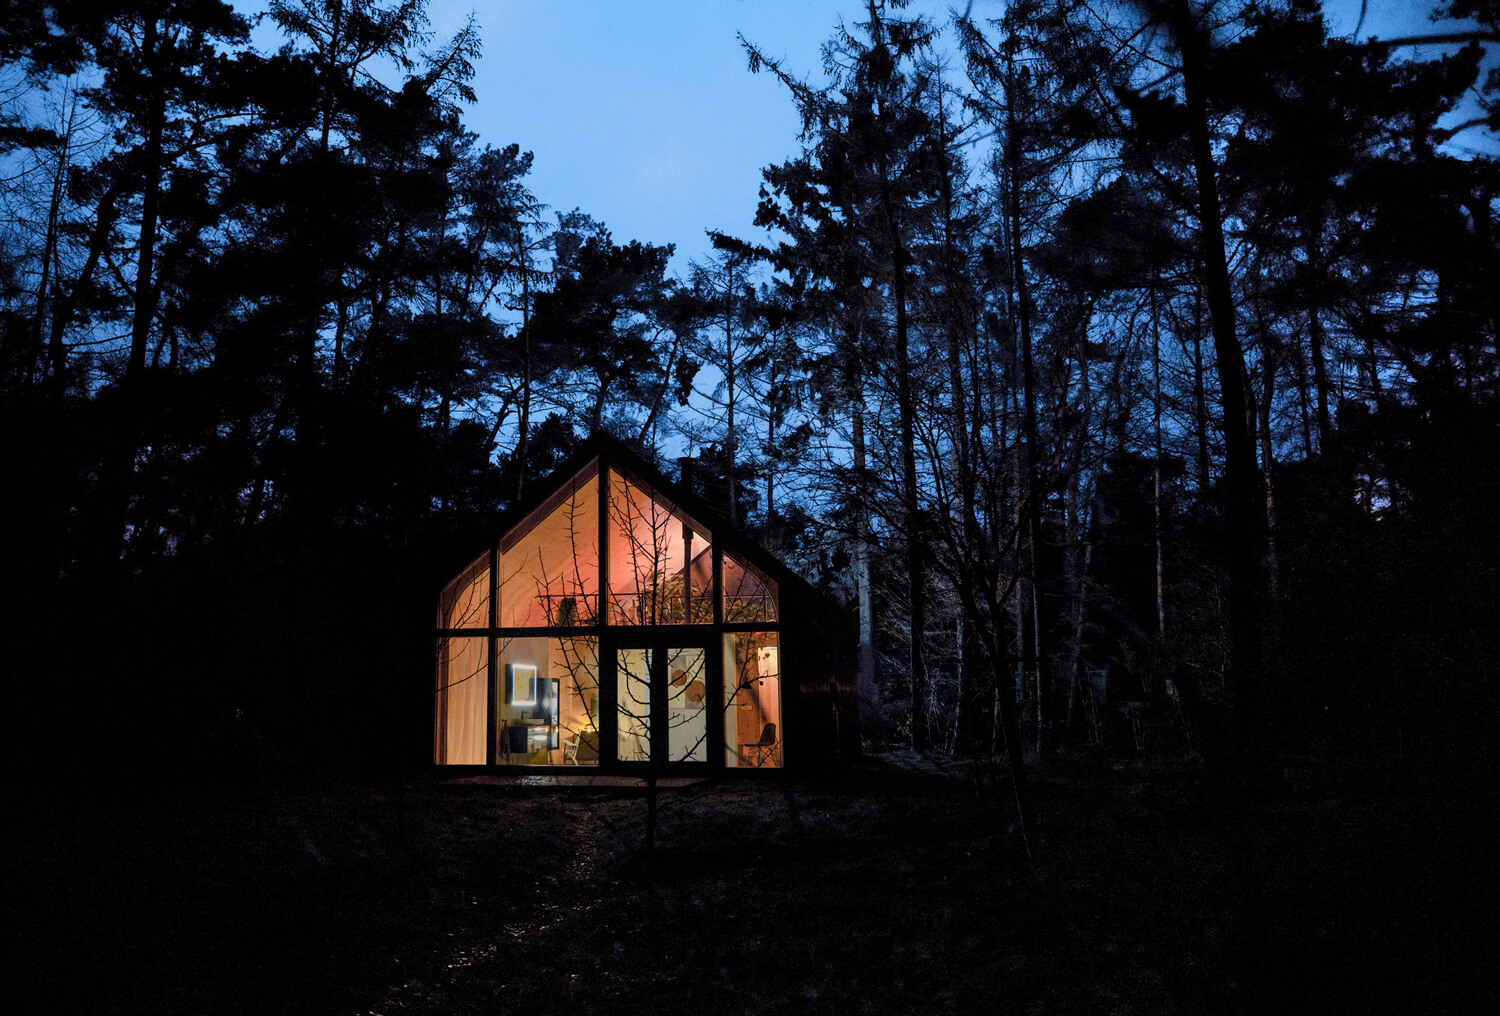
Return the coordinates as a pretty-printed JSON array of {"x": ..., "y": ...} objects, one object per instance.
[{"x": 643, "y": 113}]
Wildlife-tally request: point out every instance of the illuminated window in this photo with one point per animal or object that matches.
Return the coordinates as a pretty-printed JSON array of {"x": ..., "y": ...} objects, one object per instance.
[
  {"x": 752, "y": 700},
  {"x": 463, "y": 697},
  {"x": 625, "y": 661},
  {"x": 749, "y": 594},
  {"x": 660, "y": 561},
  {"x": 547, "y": 709},
  {"x": 549, "y": 564},
  {"x": 465, "y": 602}
]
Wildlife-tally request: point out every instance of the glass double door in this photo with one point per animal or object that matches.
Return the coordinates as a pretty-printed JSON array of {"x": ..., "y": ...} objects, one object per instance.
[{"x": 665, "y": 701}]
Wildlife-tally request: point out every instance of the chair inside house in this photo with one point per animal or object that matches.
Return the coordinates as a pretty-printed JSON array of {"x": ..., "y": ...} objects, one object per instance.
[
  {"x": 584, "y": 737},
  {"x": 757, "y": 753}
]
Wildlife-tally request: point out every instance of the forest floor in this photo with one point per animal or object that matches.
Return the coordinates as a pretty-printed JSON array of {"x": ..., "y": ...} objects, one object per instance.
[{"x": 888, "y": 887}]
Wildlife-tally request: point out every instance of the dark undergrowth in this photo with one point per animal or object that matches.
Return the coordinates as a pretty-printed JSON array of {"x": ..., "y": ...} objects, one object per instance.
[{"x": 889, "y": 887}]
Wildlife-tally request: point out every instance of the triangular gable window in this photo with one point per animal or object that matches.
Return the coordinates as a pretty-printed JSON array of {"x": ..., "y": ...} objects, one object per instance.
[{"x": 549, "y": 563}]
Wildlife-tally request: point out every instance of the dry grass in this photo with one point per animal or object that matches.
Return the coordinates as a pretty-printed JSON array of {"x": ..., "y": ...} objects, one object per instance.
[{"x": 887, "y": 888}]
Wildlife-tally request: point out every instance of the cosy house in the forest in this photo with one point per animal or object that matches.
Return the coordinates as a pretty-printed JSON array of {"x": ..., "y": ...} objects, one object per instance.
[{"x": 620, "y": 623}]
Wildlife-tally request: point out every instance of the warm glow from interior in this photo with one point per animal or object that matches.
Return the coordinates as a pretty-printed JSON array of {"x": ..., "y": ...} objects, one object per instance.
[
  {"x": 660, "y": 561},
  {"x": 465, "y": 602},
  {"x": 463, "y": 699},
  {"x": 556, "y": 725},
  {"x": 545, "y": 709},
  {"x": 749, "y": 594},
  {"x": 549, "y": 564},
  {"x": 752, "y": 700}
]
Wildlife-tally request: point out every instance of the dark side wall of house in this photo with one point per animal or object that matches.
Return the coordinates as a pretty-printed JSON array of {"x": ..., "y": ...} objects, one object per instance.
[{"x": 821, "y": 706}]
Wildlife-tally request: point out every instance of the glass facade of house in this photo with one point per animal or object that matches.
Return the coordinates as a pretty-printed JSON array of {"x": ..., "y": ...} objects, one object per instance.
[{"x": 607, "y": 628}]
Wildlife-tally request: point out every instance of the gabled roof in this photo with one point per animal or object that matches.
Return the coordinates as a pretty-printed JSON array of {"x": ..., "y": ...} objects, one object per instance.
[{"x": 612, "y": 452}]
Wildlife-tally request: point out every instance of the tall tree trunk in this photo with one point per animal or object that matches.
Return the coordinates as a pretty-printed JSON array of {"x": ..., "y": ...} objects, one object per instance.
[
  {"x": 116, "y": 472},
  {"x": 915, "y": 531},
  {"x": 731, "y": 439},
  {"x": 596, "y": 415},
  {"x": 647, "y": 434},
  {"x": 36, "y": 363},
  {"x": 1268, "y": 461},
  {"x": 771, "y": 445},
  {"x": 1202, "y": 460},
  {"x": 910, "y": 506},
  {"x": 151, "y": 179},
  {"x": 1156, "y": 527},
  {"x": 1074, "y": 577},
  {"x": 1305, "y": 398},
  {"x": 958, "y": 330},
  {"x": 983, "y": 603},
  {"x": 1311, "y": 230},
  {"x": 524, "y": 423},
  {"x": 731, "y": 442},
  {"x": 1245, "y": 540},
  {"x": 1021, "y": 285},
  {"x": 1480, "y": 204},
  {"x": 865, "y": 674},
  {"x": 62, "y": 311},
  {"x": 340, "y": 338},
  {"x": 1011, "y": 730}
]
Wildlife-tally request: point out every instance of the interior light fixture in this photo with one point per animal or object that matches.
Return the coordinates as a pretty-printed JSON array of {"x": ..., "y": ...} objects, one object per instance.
[{"x": 520, "y": 684}]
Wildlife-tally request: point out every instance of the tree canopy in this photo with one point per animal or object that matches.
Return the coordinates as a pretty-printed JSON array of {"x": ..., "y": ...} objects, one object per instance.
[{"x": 1107, "y": 366}]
